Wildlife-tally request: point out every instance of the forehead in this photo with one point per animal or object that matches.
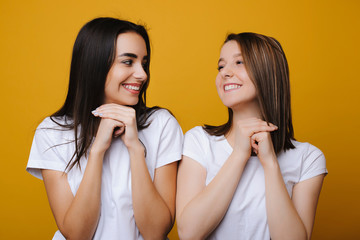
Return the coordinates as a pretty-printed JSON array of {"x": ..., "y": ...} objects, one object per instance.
[
  {"x": 130, "y": 42},
  {"x": 230, "y": 48}
]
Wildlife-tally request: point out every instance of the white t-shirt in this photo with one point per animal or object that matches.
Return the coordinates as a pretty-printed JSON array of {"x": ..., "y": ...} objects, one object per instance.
[
  {"x": 246, "y": 217},
  {"x": 51, "y": 150}
]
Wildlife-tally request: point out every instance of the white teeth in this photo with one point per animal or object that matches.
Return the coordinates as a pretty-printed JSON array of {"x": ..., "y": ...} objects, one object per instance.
[
  {"x": 136, "y": 88},
  {"x": 232, "y": 86}
]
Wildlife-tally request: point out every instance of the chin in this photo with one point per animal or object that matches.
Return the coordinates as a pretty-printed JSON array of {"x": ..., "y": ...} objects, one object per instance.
[
  {"x": 230, "y": 104},
  {"x": 126, "y": 102},
  {"x": 133, "y": 103}
]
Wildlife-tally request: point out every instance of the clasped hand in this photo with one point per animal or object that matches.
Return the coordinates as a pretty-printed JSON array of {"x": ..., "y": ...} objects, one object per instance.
[
  {"x": 253, "y": 134},
  {"x": 116, "y": 120}
]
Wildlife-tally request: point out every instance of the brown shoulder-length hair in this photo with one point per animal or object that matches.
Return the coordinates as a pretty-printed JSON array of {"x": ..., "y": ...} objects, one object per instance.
[
  {"x": 93, "y": 55},
  {"x": 267, "y": 67}
]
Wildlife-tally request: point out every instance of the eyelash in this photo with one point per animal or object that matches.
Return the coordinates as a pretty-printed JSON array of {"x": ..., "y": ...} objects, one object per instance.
[
  {"x": 130, "y": 62},
  {"x": 221, "y": 67},
  {"x": 127, "y": 62}
]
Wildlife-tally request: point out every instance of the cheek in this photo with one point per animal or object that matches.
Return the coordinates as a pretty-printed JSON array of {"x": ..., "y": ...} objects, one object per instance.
[
  {"x": 218, "y": 83},
  {"x": 117, "y": 75}
]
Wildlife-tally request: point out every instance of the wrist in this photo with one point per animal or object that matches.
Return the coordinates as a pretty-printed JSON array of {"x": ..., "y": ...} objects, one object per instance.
[
  {"x": 97, "y": 152},
  {"x": 137, "y": 147},
  {"x": 270, "y": 163},
  {"x": 241, "y": 155}
]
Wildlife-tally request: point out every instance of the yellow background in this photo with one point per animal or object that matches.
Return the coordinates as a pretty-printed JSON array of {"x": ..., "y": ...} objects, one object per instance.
[{"x": 319, "y": 37}]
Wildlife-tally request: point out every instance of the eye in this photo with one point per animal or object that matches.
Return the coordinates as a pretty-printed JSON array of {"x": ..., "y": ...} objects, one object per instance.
[
  {"x": 220, "y": 67},
  {"x": 145, "y": 65},
  {"x": 128, "y": 62},
  {"x": 239, "y": 62}
]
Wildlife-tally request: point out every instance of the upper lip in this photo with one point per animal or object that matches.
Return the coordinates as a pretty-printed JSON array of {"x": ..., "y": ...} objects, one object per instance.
[{"x": 132, "y": 84}]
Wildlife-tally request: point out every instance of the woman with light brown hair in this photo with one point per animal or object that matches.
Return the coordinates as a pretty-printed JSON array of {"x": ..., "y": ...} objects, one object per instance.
[{"x": 249, "y": 178}]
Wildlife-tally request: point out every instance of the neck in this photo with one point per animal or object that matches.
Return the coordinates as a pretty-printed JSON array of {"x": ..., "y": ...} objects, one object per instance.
[{"x": 241, "y": 113}]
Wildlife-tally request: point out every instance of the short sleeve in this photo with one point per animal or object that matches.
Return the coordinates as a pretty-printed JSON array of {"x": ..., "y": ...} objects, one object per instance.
[
  {"x": 44, "y": 153},
  {"x": 195, "y": 144},
  {"x": 171, "y": 140},
  {"x": 314, "y": 163}
]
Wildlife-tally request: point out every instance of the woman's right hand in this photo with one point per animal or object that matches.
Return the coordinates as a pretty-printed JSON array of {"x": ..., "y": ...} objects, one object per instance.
[{"x": 244, "y": 130}]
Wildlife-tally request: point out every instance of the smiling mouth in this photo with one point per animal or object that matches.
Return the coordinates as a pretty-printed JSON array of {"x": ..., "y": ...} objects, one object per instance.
[
  {"x": 132, "y": 87},
  {"x": 229, "y": 87}
]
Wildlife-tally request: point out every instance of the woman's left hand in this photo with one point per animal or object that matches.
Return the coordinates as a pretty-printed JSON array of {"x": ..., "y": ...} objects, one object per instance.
[
  {"x": 125, "y": 115},
  {"x": 262, "y": 144}
]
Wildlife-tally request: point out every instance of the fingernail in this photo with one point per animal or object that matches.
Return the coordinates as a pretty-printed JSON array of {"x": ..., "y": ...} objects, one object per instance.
[
  {"x": 100, "y": 114},
  {"x": 94, "y": 112}
]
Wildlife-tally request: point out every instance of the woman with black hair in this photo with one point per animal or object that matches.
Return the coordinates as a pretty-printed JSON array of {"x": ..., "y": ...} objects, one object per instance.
[
  {"x": 108, "y": 162},
  {"x": 249, "y": 178}
]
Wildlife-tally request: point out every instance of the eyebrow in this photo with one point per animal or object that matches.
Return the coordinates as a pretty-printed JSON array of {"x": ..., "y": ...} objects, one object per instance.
[
  {"x": 132, "y": 55},
  {"x": 128, "y": 55},
  {"x": 235, "y": 55}
]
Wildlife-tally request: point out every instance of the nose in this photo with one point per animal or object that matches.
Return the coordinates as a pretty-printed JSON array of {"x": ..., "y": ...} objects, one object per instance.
[
  {"x": 226, "y": 72},
  {"x": 140, "y": 73}
]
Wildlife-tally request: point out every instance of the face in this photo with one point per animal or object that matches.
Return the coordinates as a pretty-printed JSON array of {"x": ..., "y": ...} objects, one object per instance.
[
  {"x": 127, "y": 75},
  {"x": 233, "y": 84}
]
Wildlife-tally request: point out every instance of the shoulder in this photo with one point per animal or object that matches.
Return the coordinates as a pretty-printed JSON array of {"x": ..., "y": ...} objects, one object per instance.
[
  {"x": 309, "y": 159},
  {"x": 161, "y": 123},
  {"x": 163, "y": 138},
  {"x": 197, "y": 137},
  {"x": 162, "y": 120},
  {"x": 305, "y": 149},
  {"x": 55, "y": 123},
  {"x": 200, "y": 135},
  {"x": 197, "y": 131},
  {"x": 161, "y": 115},
  {"x": 54, "y": 129},
  {"x": 50, "y": 148}
]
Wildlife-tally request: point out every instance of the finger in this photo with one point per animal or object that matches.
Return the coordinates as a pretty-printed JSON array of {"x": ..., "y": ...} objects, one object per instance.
[
  {"x": 125, "y": 118},
  {"x": 96, "y": 114},
  {"x": 118, "y": 131},
  {"x": 258, "y": 129},
  {"x": 254, "y": 144},
  {"x": 125, "y": 112},
  {"x": 260, "y": 123},
  {"x": 114, "y": 106},
  {"x": 253, "y": 123},
  {"x": 255, "y": 151}
]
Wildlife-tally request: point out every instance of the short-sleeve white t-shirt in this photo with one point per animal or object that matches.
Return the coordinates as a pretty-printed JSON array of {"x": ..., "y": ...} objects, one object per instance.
[
  {"x": 246, "y": 216},
  {"x": 53, "y": 147}
]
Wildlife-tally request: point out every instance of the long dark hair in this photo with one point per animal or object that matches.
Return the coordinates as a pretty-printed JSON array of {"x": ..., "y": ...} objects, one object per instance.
[
  {"x": 93, "y": 55},
  {"x": 267, "y": 67}
]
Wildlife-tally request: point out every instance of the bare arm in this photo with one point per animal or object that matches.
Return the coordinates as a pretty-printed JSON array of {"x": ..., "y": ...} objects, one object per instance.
[
  {"x": 153, "y": 202},
  {"x": 76, "y": 217},
  {"x": 305, "y": 199},
  {"x": 287, "y": 219},
  {"x": 197, "y": 216}
]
